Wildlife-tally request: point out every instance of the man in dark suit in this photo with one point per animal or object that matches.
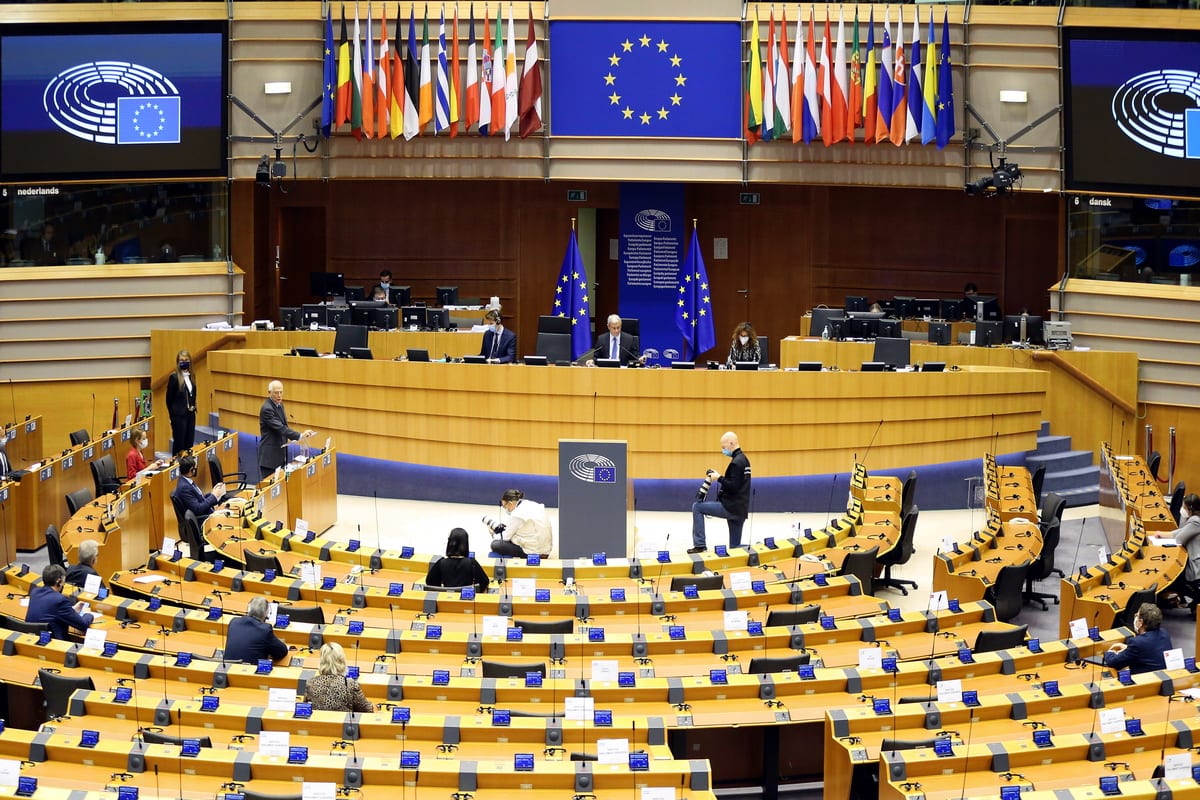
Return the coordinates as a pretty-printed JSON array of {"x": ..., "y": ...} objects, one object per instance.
[
  {"x": 44, "y": 251},
  {"x": 190, "y": 495},
  {"x": 274, "y": 431},
  {"x": 615, "y": 344},
  {"x": 250, "y": 637},
  {"x": 733, "y": 497},
  {"x": 1144, "y": 652},
  {"x": 79, "y": 572},
  {"x": 48, "y": 604},
  {"x": 499, "y": 343}
]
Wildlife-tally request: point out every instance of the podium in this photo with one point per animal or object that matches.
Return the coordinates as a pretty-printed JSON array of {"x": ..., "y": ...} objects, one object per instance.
[{"x": 593, "y": 480}]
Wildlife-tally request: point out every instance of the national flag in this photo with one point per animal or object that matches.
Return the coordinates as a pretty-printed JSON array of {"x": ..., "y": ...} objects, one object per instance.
[
  {"x": 870, "y": 85},
  {"x": 344, "y": 85},
  {"x": 382, "y": 102},
  {"x": 485, "y": 79},
  {"x": 511, "y": 79},
  {"x": 693, "y": 307},
  {"x": 767, "y": 128},
  {"x": 840, "y": 84},
  {"x": 425, "y": 108},
  {"x": 854, "y": 102},
  {"x": 356, "y": 79},
  {"x": 754, "y": 100},
  {"x": 499, "y": 81},
  {"x": 329, "y": 96},
  {"x": 825, "y": 87},
  {"x": 441, "y": 107},
  {"x": 455, "y": 93},
  {"x": 412, "y": 81},
  {"x": 798, "y": 83},
  {"x": 883, "y": 120},
  {"x": 812, "y": 103},
  {"x": 530, "y": 94},
  {"x": 899, "y": 88},
  {"x": 368, "y": 84},
  {"x": 912, "y": 128},
  {"x": 471, "y": 92},
  {"x": 945, "y": 88},
  {"x": 396, "y": 89},
  {"x": 571, "y": 298},
  {"x": 929, "y": 88},
  {"x": 783, "y": 83}
]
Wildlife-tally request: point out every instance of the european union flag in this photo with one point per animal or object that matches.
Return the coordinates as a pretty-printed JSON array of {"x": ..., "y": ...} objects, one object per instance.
[
  {"x": 571, "y": 298},
  {"x": 693, "y": 307},
  {"x": 148, "y": 120},
  {"x": 605, "y": 475},
  {"x": 635, "y": 78}
]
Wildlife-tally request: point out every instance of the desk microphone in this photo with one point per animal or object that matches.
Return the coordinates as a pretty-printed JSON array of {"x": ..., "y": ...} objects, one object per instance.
[
  {"x": 93, "y": 415},
  {"x": 654, "y": 598}
]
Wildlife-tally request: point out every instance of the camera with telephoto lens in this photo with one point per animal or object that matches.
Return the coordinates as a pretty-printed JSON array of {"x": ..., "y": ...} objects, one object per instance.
[
  {"x": 702, "y": 492},
  {"x": 493, "y": 526}
]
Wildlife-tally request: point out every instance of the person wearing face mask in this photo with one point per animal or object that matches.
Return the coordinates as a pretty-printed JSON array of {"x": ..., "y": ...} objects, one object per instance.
[
  {"x": 181, "y": 403},
  {"x": 744, "y": 346},
  {"x": 733, "y": 496},
  {"x": 499, "y": 343},
  {"x": 385, "y": 283}
]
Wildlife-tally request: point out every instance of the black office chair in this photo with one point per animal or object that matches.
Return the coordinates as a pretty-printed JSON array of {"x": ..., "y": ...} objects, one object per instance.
[
  {"x": 104, "y": 475},
  {"x": 796, "y": 616},
  {"x": 54, "y": 551},
  {"x": 77, "y": 500},
  {"x": 499, "y": 669},
  {"x": 1043, "y": 567},
  {"x": 1052, "y": 509},
  {"x": 763, "y": 665},
  {"x": 1037, "y": 480},
  {"x": 1135, "y": 602},
  {"x": 193, "y": 535},
  {"x": 1176, "y": 505},
  {"x": 157, "y": 737},
  {"x": 311, "y": 614},
  {"x": 19, "y": 625},
  {"x": 234, "y": 481},
  {"x": 545, "y": 626},
  {"x": 80, "y": 437},
  {"x": 261, "y": 561},
  {"x": 180, "y": 510},
  {"x": 990, "y": 641},
  {"x": 1152, "y": 464},
  {"x": 58, "y": 689},
  {"x": 1007, "y": 594},
  {"x": 861, "y": 564},
  {"x": 908, "y": 493},
  {"x": 701, "y": 582},
  {"x": 900, "y": 554}
]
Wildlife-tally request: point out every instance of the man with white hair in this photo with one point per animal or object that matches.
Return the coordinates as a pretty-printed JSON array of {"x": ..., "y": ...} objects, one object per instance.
[
  {"x": 616, "y": 344},
  {"x": 78, "y": 574},
  {"x": 274, "y": 431},
  {"x": 250, "y": 637}
]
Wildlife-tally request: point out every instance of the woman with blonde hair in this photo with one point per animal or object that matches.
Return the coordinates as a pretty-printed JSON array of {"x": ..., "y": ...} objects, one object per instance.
[
  {"x": 181, "y": 403},
  {"x": 331, "y": 689}
]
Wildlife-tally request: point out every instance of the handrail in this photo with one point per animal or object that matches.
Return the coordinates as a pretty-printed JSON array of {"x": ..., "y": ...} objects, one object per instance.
[
  {"x": 201, "y": 353},
  {"x": 1087, "y": 380}
]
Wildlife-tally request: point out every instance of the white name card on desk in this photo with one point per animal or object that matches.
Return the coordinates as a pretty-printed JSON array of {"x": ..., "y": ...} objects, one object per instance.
[
  {"x": 1112, "y": 720},
  {"x": 737, "y": 620},
  {"x": 320, "y": 790},
  {"x": 301, "y": 527},
  {"x": 612, "y": 751},
  {"x": 94, "y": 639},
  {"x": 663, "y": 792},
  {"x": 949, "y": 691},
  {"x": 524, "y": 587},
  {"x": 947, "y": 545},
  {"x": 91, "y": 584},
  {"x": 604, "y": 670},
  {"x": 1177, "y": 766},
  {"x": 739, "y": 581},
  {"x": 582, "y": 709},
  {"x": 169, "y": 545},
  {"x": 870, "y": 658},
  {"x": 281, "y": 699},
  {"x": 149, "y": 578},
  {"x": 495, "y": 626},
  {"x": 310, "y": 572},
  {"x": 1173, "y": 659},
  {"x": 274, "y": 743},
  {"x": 10, "y": 771},
  {"x": 1078, "y": 628},
  {"x": 939, "y": 601}
]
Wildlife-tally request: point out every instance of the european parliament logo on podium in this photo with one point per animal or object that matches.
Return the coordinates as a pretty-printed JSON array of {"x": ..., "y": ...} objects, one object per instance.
[{"x": 592, "y": 487}]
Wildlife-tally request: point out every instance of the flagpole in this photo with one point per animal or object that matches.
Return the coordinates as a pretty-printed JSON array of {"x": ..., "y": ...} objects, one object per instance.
[{"x": 572, "y": 224}]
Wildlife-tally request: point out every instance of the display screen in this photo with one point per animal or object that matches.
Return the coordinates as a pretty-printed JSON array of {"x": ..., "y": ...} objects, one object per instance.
[
  {"x": 106, "y": 101},
  {"x": 1132, "y": 110}
]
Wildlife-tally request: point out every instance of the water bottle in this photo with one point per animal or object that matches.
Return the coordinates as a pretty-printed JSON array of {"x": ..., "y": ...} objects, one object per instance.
[
  {"x": 100, "y": 256},
  {"x": 825, "y": 333}
]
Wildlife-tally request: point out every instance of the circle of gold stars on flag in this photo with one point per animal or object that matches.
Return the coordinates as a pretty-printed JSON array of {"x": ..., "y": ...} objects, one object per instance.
[
  {"x": 564, "y": 286},
  {"x": 625, "y": 65}
]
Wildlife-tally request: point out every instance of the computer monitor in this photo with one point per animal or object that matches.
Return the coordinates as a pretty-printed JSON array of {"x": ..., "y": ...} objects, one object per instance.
[
  {"x": 933, "y": 366},
  {"x": 821, "y": 318},
  {"x": 745, "y": 365},
  {"x": 437, "y": 319},
  {"x": 611, "y": 363},
  {"x": 327, "y": 284},
  {"x": 313, "y": 315},
  {"x": 889, "y": 327},
  {"x": 307, "y": 352},
  {"x": 385, "y": 319},
  {"x": 683, "y": 365},
  {"x": 361, "y": 352},
  {"x": 864, "y": 314},
  {"x": 536, "y": 361},
  {"x": 809, "y": 366},
  {"x": 927, "y": 307},
  {"x": 337, "y": 315},
  {"x": 361, "y": 316},
  {"x": 988, "y": 333},
  {"x": 474, "y": 358},
  {"x": 893, "y": 352},
  {"x": 1033, "y": 329},
  {"x": 400, "y": 295},
  {"x": 873, "y": 366},
  {"x": 991, "y": 309},
  {"x": 858, "y": 327},
  {"x": 289, "y": 318},
  {"x": 856, "y": 302},
  {"x": 952, "y": 310},
  {"x": 355, "y": 293},
  {"x": 554, "y": 324},
  {"x": 903, "y": 306},
  {"x": 412, "y": 317},
  {"x": 367, "y": 303},
  {"x": 939, "y": 333},
  {"x": 415, "y": 354},
  {"x": 349, "y": 336},
  {"x": 447, "y": 295}
]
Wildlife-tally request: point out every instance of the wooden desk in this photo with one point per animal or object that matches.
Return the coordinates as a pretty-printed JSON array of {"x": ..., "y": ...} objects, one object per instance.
[{"x": 312, "y": 491}]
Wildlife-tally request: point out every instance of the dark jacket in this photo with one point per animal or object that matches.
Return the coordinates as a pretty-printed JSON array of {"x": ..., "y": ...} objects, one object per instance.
[
  {"x": 1142, "y": 653},
  {"x": 78, "y": 574},
  {"x": 250, "y": 639},
  {"x": 735, "y": 486},
  {"x": 627, "y": 345},
  {"x": 193, "y": 499},
  {"x": 47, "y": 604},
  {"x": 273, "y": 434},
  {"x": 506, "y": 349},
  {"x": 457, "y": 572},
  {"x": 180, "y": 401}
]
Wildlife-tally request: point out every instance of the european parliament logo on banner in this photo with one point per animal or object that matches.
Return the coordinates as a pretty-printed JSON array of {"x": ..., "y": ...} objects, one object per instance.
[
  {"x": 646, "y": 79},
  {"x": 148, "y": 120}
]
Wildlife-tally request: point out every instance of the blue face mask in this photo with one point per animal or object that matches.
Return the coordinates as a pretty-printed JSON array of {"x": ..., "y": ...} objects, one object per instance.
[{"x": 725, "y": 451}]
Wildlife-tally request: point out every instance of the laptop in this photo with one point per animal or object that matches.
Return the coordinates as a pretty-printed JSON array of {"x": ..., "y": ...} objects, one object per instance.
[
  {"x": 745, "y": 365},
  {"x": 536, "y": 361},
  {"x": 415, "y": 354},
  {"x": 809, "y": 366},
  {"x": 307, "y": 352},
  {"x": 683, "y": 365}
]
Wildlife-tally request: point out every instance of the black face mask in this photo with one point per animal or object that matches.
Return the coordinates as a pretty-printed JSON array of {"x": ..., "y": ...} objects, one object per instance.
[{"x": 185, "y": 365}]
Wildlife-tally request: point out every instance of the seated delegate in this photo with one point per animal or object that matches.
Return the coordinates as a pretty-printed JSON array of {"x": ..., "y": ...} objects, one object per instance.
[
  {"x": 48, "y": 604},
  {"x": 499, "y": 343},
  {"x": 457, "y": 568},
  {"x": 331, "y": 689},
  {"x": 1144, "y": 652},
  {"x": 250, "y": 637}
]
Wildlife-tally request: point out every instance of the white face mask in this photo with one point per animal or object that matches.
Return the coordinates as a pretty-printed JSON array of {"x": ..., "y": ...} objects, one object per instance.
[{"x": 744, "y": 340}]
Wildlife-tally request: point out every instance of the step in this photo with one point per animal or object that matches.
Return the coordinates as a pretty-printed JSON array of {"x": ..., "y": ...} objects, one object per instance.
[
  {"x": 1060, "y": 462},
  {"x": 1051, "y": 444},
  {"x": 1045, "y": 429},
  {"x": 1071, "y": 479},
  {"x": 1084, "y": 496}
]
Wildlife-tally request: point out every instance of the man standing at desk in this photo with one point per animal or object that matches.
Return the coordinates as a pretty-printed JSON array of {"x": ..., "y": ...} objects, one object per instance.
[
  {"x": 274, "y": 431},
  {"x": 733, "y": 496},
  {"x": 499, "y": 343}
]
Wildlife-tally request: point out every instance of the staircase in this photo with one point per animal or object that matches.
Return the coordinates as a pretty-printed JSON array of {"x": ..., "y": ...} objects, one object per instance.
[{"x": 1069, "y": 473}]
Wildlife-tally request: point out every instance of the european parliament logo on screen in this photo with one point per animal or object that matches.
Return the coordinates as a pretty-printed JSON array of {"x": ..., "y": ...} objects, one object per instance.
[
  {"x": 1160, "y": 111},
  {"x": 645, "y": 79},
  {"x": 114, "y": 102},
  {"x": 593, "y": 468}
]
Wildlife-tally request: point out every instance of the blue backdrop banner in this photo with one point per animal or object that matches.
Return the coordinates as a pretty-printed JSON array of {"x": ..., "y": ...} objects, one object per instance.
[
  {"x": 652, "y": 231},
  {"x": 635, "y": 78}
]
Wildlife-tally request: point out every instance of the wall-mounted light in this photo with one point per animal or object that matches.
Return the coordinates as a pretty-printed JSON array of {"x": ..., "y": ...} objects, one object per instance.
[
  {"x": 1013, "y": 96},
  {"x": 277, "y": 87}
]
